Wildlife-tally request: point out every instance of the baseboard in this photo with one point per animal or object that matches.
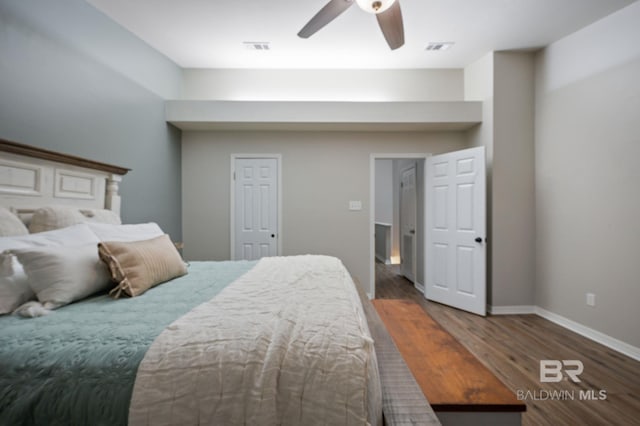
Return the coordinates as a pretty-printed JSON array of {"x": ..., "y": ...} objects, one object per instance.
[
  {"x": 511, "y": 310},
  {"x": 583, "y": 330},
  {"x": 596, "y": 336},
  {"x": 419, "y": 287}
]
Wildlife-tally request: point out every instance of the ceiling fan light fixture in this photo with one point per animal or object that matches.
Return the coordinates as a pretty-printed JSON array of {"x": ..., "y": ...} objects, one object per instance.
[{"x": 375, "y": 6}]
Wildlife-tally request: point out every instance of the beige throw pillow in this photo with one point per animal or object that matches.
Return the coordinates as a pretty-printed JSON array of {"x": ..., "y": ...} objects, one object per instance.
[
  {"x": 137, "y": 266},
  {"x": 56, "y": 217}
]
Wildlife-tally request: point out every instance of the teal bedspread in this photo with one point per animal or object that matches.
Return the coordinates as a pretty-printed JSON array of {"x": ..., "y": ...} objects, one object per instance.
[{"x": 78, "y": 365}]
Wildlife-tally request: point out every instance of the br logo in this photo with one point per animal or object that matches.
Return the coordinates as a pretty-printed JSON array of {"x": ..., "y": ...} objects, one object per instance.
[{"x": 551, "y": 370}]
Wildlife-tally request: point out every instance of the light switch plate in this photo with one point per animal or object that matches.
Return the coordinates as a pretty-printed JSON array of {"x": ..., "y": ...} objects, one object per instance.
[{"x": 355, "y": 205}]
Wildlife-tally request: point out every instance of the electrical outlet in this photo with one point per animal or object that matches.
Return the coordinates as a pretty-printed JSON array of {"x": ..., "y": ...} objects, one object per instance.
[{"x": 591, "y": 299}]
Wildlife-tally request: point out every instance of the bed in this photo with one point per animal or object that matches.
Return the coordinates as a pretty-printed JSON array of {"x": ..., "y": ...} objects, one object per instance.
[{"x": 284, "y": 340}]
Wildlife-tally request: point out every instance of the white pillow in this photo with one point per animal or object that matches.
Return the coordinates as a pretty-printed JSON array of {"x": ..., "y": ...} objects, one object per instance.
[
  {"x": 60, "y": 275},
  {"x": 10, "y": 224},
  {"x": 56, "y": 217},
  {"x": 126, "y": 233},
  {"x": 14, "y": 285},
  {"x": 73, "y": 235}
]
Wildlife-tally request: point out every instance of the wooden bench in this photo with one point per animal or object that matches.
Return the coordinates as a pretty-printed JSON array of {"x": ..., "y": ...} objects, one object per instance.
[
  {"x": 403, "y": 402},
  {"x": 460, "y": 389}
]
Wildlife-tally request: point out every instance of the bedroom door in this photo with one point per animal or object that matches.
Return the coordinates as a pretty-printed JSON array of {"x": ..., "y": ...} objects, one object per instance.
[
  {"x": 456, "y": 230},
  {"x": 255, "y": 225},
  {"x": 408, "y": 218}
]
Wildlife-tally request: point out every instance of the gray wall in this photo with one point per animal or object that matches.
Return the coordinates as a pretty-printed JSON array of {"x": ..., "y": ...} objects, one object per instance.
[
  {"x": 71, "y": 81},
  {"x": 478, "y": 86},
  {"x": 321, "y": 172},
  {"x": 504, "y": 81},
  {"x": 587, "y": 196},
  {"x": 513, "y": 181}
]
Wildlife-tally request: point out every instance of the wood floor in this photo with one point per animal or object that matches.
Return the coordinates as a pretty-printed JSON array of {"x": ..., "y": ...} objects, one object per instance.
[{"x": 511, "y": 346}]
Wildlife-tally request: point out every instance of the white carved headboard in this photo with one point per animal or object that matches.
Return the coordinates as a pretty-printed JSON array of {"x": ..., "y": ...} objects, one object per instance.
[{"x": 33, "y": 177}]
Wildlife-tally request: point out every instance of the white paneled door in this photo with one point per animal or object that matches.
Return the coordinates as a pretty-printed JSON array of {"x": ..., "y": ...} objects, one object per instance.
[
  {"x": 456, "y": 230},
  {"x": 255, "y": 208},
  {"x": 408, "y": 218}
]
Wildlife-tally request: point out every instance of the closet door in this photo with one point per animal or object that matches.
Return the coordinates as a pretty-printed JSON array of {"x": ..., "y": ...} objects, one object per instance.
[{"x": 255, "y": 208}]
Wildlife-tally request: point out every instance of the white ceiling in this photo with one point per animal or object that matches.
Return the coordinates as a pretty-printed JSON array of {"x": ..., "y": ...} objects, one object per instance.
[{"x": 210, "y": 33}]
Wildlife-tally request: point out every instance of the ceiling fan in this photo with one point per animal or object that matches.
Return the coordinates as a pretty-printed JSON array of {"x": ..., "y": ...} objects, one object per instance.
[{"x": 387, "y": 12}]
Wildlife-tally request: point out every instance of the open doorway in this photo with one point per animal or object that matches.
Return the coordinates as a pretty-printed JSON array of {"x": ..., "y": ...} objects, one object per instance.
[
  {"x": 398, "y": 218},
  {"x": 451, "y": 238}
]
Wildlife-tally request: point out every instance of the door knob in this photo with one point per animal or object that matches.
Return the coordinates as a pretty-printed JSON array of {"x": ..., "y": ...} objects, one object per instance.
[{"x": 478, "y": 240}]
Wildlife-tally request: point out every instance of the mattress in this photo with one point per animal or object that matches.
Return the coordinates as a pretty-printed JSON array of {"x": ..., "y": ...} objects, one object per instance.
[{"x": 280, "y": 341}]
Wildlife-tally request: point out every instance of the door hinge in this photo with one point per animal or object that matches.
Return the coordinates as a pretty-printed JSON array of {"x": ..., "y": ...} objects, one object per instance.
[{"x": 234, "y": 175}]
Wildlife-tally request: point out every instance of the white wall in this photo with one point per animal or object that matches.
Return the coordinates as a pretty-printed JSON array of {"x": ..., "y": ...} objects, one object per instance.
[
  {"x": 384, "y": 191},
  {"x": 384, "y": 210},
  {"x": 587, "y": 197},
  {"x": 321, "y": 171},
  {"x": 395, "y": 236},
  {"x": 324, "y": 85}
]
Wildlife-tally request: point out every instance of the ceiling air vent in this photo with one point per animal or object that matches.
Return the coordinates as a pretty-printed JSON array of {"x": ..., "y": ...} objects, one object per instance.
[
  {"x": 439, "y": 45},
  {"x": 256, "y": 45}
]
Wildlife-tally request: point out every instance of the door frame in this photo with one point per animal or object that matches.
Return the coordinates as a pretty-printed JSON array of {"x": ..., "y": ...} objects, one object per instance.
[
  {"x": 232, "y": 191},
  {"x": 372, "y": 207}
]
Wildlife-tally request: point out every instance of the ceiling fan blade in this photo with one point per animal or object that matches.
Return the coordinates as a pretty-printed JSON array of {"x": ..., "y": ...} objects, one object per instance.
[
  {"x": 327, "y": 14},
  {"x": 390, "y": 22}
]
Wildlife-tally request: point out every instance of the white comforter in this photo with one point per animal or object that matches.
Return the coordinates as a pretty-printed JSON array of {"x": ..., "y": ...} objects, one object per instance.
[{"x": 285, "y": 344}]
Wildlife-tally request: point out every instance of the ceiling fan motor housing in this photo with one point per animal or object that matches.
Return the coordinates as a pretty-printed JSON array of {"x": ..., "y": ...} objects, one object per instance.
[{"x": 375, "y": 6}]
